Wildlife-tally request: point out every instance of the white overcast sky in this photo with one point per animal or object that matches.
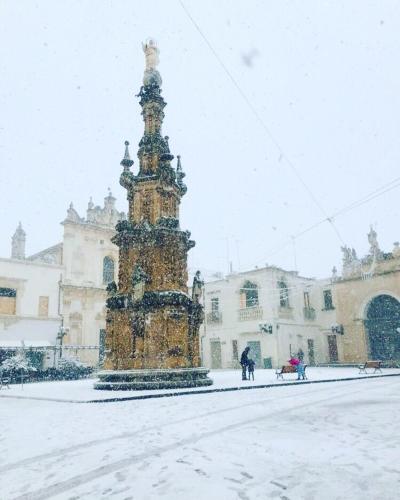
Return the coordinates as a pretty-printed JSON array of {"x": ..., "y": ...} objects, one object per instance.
[{"x": 324, "y": 79}]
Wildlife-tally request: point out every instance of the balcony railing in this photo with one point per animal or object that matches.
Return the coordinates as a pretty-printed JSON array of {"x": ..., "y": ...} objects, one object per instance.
[
  {"x": 309, "y": 313},
  {"x": 250, "y": 313},
  {"x": 214, "y": 317}
]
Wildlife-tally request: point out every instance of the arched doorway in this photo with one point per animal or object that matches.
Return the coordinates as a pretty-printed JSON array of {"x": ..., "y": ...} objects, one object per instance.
[{"x": 381, "y": 323}]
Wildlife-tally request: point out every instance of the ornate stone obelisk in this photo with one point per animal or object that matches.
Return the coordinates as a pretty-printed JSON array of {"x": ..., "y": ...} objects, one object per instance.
[{"x": 152, "y": 332}]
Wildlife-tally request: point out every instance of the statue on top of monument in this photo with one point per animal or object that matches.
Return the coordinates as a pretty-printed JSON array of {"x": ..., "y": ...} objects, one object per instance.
[
  {"x": 197, "y": 288},
  {"x": 151, "y": 74}
]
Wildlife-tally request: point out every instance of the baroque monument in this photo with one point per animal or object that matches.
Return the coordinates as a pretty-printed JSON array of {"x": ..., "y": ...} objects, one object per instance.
[{"x": 152, "y": 324}]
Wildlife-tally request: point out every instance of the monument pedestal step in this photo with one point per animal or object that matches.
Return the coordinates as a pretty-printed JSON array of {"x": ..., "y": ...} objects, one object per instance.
[{"x": 138, "y": 380}]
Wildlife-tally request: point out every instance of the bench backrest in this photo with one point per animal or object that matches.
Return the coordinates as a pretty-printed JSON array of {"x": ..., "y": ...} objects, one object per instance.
[
  {"x": 288, "y": 369},
  {"x": 372, "y": 364}
]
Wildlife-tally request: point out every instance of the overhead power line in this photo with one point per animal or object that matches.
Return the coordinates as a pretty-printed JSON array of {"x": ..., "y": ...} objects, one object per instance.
[
  {"x": 261, "y": 121},
  {"x": 393, "y": 184}
]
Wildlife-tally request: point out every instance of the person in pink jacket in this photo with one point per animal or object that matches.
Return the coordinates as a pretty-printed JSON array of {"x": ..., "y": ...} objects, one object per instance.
[{"x": 299, "y": 367}]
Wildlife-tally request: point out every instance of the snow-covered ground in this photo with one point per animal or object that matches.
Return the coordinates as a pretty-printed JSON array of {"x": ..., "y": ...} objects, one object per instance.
[
  {"x": 82, "y": 390},
  {"x": 316, "y": 442}
]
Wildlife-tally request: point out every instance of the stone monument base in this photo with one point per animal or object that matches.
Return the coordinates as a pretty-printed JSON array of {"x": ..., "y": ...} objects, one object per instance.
[{"x": 139, "y": 380}]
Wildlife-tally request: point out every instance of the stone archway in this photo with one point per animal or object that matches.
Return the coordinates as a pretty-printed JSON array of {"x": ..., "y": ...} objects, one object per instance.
[{"x": 382, "y": 319}]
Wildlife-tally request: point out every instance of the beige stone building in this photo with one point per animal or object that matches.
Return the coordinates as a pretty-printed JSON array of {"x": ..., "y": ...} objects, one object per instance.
[
  {"x": 90, "y": 262},
  {"x": 367, "y": 300}
]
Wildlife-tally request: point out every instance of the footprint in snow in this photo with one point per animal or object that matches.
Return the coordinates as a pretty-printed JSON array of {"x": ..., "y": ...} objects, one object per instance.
[
  {"x": 181, "y": 461},
  {"x": 119, "y": 476}
]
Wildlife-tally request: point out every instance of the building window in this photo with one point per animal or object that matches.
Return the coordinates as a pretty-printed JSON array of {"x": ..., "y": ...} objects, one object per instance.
[
  {"x": 307, "y": 300},
  {"x": 43, "y": 307},
  {"x": 8, "y": 299},
  {"x": 328, "y": 303},
  {"x": 214, "y": 316},
  {"x": 283, "y": 294},
  {"x": 248, "y": 295},
  {"x": 235, "y": 350},
  {"x": 108, "y": 270},
  {"x": 215, "y": 305}
]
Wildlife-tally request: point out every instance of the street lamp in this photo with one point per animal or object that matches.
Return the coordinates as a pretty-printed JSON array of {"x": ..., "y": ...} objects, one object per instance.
[{"x": 60, "y": 335}]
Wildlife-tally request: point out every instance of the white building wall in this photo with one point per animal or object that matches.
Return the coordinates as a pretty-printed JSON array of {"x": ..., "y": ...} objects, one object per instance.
[
  {"x": 31, "y": 280},
  {"x": 291, "y": 329}
]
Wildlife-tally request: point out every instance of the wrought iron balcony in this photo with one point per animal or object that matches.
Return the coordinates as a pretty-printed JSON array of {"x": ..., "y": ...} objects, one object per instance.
[
  {"x": 309, "y": 313},
  {"x": 250, "y": 313},
  {"x": 214, "y": 317}
]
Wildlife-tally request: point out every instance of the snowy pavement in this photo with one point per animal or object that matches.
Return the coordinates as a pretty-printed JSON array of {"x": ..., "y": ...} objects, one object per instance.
[
  {"x": 83, "y": 391},
  {"x": 324, "y": 441}
]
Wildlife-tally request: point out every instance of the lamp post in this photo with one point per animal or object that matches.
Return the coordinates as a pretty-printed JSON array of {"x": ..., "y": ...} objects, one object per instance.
[{"x": 60, "y": 335}]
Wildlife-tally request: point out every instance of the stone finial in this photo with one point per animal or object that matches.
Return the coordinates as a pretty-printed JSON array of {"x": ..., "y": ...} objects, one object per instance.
[
  {"x": 180, "y": 173},
  {"x": 18, "y": 243},
  {"x": 126, "y": 161},
  {"x": 72, "y": 214},
  {"x": 109, "y": 201}
]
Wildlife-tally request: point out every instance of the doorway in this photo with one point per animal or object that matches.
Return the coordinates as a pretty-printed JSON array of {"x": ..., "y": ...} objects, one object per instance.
[
  {"x": 255, "y": 352},
  {"x": 216, "y": 358},
  {"x": 332, "y": 349},
  {"x": 382, "y": 326}
]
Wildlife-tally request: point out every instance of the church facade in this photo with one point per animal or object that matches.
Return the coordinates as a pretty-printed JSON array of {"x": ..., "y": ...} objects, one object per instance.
[{"x": 55, "y": 299}]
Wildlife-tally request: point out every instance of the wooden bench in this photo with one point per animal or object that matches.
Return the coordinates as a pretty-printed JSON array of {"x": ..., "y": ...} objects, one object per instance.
[
  {"x": 370, "y": 364},
  {"x": 288, "y": 369}
]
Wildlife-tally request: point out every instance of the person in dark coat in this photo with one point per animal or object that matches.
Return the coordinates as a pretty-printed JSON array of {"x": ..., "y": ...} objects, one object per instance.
[
  {"x": 250, "y": 367},
  {"x": 244, "y": 360}
]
